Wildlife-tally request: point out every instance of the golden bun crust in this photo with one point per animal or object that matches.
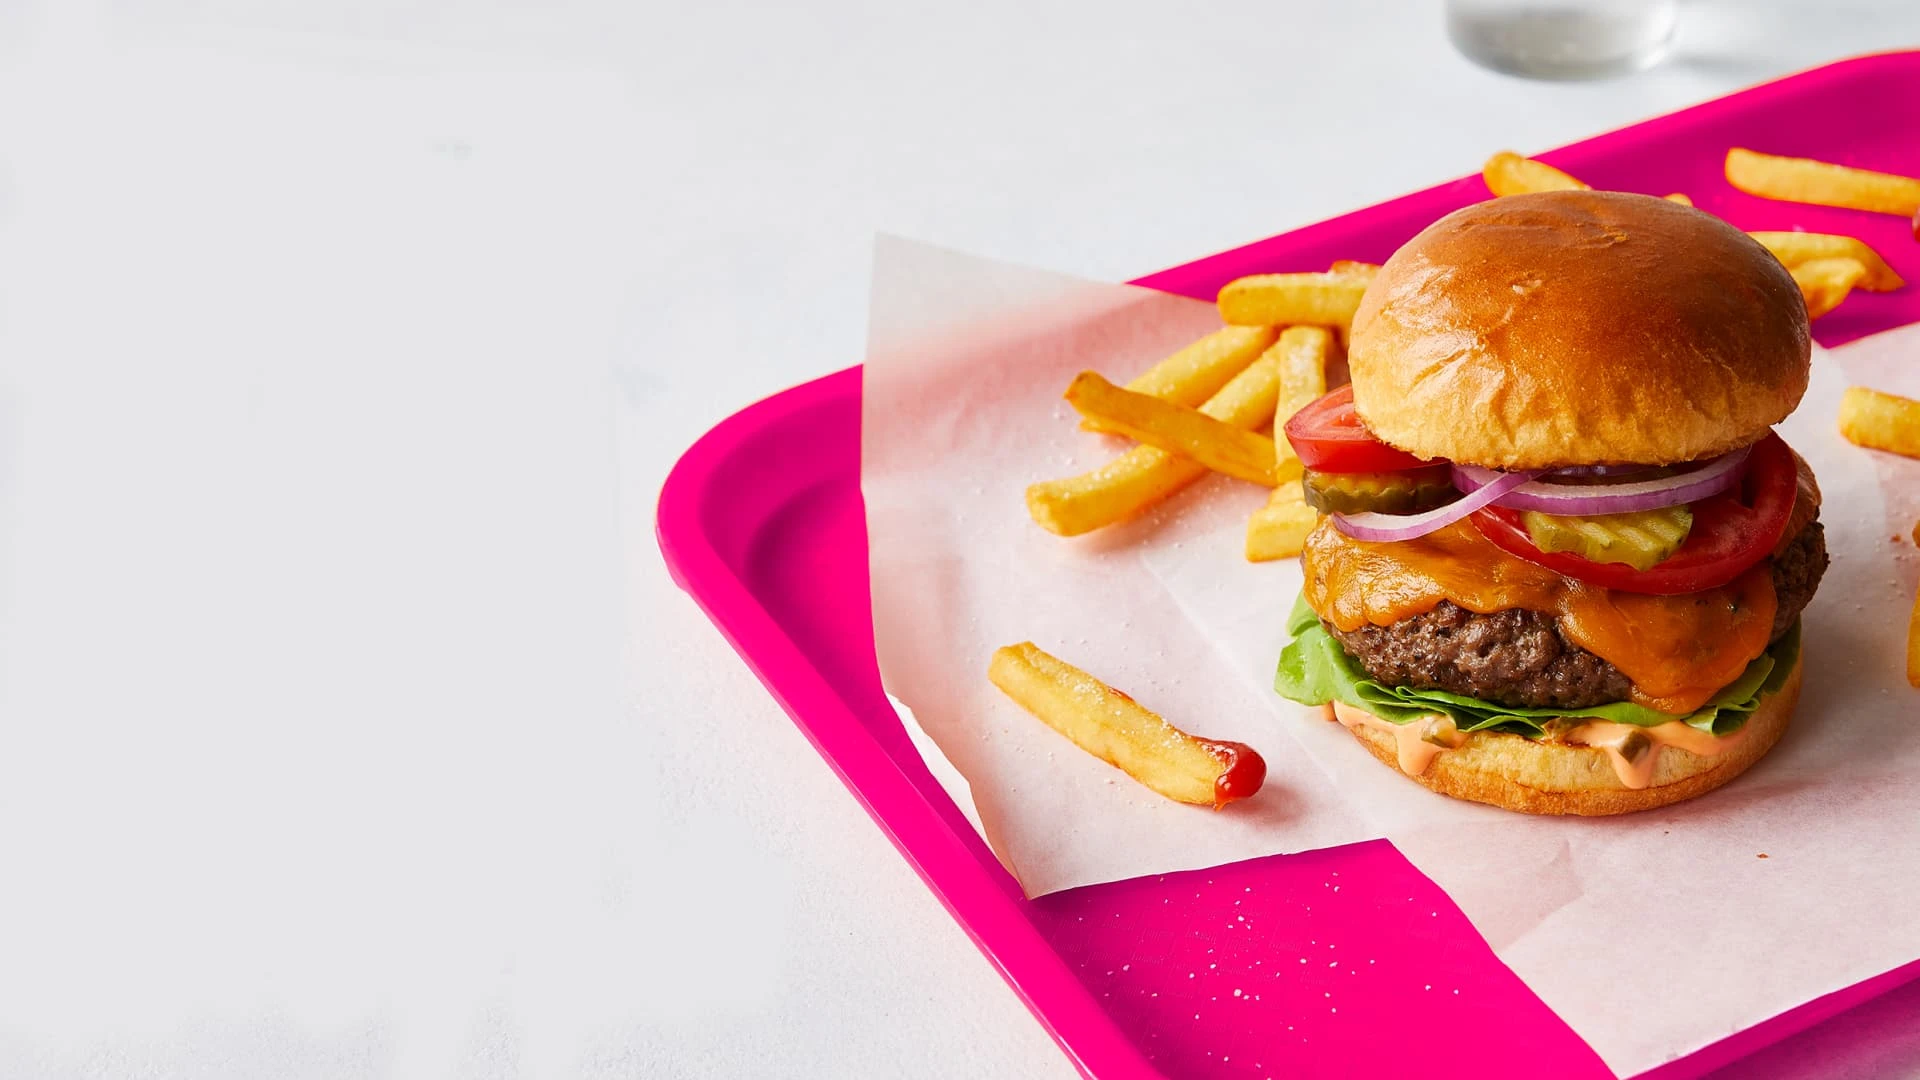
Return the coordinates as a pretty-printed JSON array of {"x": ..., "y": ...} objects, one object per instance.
[
  {"x": 1578, "y": 328},
  {"x": 1517, "y": 773}
]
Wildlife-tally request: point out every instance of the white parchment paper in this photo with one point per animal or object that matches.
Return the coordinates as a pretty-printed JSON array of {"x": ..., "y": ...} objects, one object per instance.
[
  {"x": 961, "y": 411},
  {"x": 1651, "y": 935}
]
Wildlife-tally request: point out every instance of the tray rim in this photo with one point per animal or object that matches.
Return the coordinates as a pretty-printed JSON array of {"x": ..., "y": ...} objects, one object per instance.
[{"x": 1085, "y": 1032}]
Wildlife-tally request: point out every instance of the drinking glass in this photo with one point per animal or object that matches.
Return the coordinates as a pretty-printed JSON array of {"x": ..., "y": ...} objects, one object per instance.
[{"x": 1563, "y": 39}]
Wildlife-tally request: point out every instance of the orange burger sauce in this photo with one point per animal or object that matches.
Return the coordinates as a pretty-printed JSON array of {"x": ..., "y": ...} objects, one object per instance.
[{"x": 1677, "y": 650}]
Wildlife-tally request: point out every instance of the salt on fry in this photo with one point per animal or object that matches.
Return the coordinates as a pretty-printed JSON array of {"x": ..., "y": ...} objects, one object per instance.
[
  {"x": 1118, "y": 730},
  {"x": 1880, "y": 421}
]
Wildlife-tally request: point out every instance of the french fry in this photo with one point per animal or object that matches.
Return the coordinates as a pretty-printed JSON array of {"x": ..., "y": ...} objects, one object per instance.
[
  {"x": 1290, "y": 299},
  {"x": 1303, "y": 352},
  {"x": 1507, "y": 173},
  {"x": 1913, "y": 645},
  {"x": 1913, "y": 630},
  {"x": 1826, "y": 282},
  {"x": 1880, "y": 421},
  {"x": 1350, "y": 268},
  {"x": 1114, "y": 492},
  {"x": 1113, "y": 727},
  {"x": 1145, "y": 475},
  {"x": 1177, "y": 429},
  {"x": 1197, "y": 372},
  {"x": 1805, "y": 180},
  {"x": 1680, "y": 197},
  {"x": 1279, "y": 529},
  {"x": 1794, "y": 248}
]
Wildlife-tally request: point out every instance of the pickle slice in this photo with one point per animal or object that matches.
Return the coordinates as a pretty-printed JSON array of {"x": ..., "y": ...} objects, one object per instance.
[
  {"x": 1640, "y": 539},
  {"x": 1382, "y": 493}
]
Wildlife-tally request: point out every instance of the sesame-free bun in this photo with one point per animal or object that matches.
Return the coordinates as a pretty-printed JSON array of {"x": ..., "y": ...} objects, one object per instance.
[
  {"x": 1541, "y": 777},
  {"x": 1578, "y": 328}
]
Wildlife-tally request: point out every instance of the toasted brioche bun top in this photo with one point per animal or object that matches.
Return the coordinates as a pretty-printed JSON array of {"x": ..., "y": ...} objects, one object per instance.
[{"x": 1578, "y": 328}]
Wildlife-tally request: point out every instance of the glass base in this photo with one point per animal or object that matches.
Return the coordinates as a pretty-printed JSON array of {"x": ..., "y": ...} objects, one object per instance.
[{"x": 1560, "y": 43}]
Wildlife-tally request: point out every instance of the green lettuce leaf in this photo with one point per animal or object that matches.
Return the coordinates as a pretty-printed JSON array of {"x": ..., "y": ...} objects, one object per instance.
[{"x": 1314, "y": 670}]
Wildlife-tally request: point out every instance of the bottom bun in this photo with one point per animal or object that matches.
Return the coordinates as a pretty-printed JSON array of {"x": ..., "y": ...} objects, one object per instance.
[{"x": 1539, "y": 777}]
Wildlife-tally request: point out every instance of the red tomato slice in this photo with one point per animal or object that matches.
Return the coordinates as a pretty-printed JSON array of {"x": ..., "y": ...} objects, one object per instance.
[
  {"x": 1328, "y": 436},
  {"x": 1731, "y": 532}
]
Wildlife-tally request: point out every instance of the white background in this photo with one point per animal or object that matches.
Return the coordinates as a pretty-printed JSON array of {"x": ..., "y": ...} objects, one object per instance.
[{"x": 319, "y": 751}]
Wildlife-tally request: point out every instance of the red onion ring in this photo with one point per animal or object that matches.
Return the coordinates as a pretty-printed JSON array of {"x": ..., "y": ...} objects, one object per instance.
[
  {"x": 1715, "y": 476},
  {"x": 1386, "y": 528}
]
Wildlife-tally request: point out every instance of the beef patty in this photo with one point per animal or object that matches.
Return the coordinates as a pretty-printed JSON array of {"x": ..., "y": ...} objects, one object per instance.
[{"x": 1520, "y": 657}]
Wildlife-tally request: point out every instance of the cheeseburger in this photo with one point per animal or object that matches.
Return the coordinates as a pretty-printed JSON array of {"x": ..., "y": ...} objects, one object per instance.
[{"x": 1563, "y": 556}]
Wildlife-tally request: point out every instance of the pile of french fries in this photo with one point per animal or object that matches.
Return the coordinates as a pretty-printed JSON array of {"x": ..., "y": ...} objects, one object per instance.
[{"x": 1216, "y": 405}]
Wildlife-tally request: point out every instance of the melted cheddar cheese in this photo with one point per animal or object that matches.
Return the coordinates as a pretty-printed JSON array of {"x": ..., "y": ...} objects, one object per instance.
[{"x": 1677, "y": 650}]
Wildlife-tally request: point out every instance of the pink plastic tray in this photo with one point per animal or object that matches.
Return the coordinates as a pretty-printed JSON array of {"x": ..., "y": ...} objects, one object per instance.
[{"x": 1343, "y": 962}]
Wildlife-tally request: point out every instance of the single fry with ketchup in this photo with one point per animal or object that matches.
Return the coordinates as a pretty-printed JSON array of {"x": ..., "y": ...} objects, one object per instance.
[
  {"x": 1507, "y": 173},
  {"x": 1327, "y": 299},
  {"x": 1303, "y": 352},
  {"x": 1826, "y": 282},
  {"x": 1821, "y": 183},
  {"x": 1880, "y": 421},
  {"x": 1795, "y": 248},
  {"x": 1197, "y": 372},
  {"x": 1113, "y": 727},
  {"x": 1218, "y": 445}
]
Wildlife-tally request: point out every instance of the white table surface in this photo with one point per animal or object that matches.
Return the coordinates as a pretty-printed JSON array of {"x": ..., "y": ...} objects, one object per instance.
[{"x": 343, "y": 350}]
